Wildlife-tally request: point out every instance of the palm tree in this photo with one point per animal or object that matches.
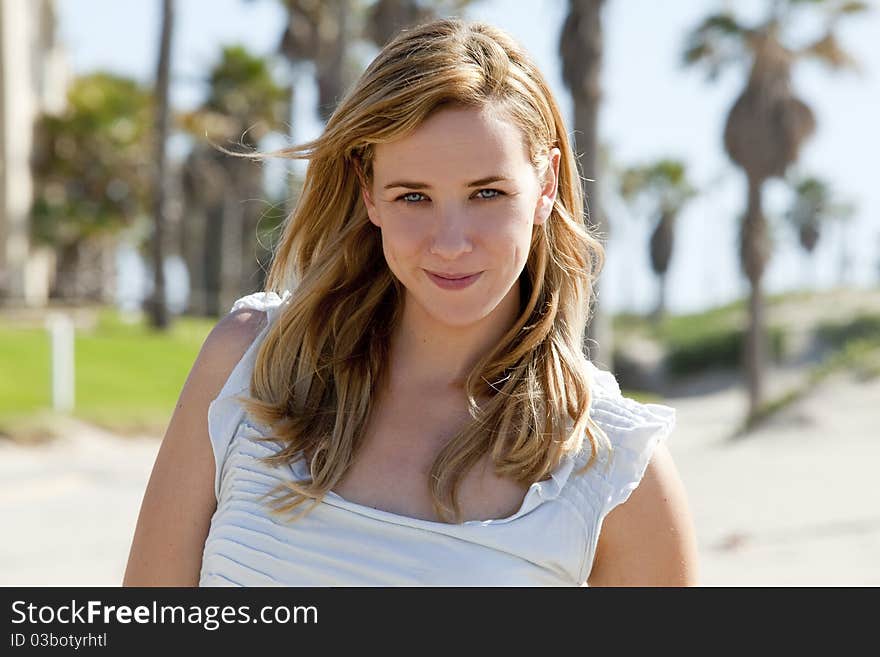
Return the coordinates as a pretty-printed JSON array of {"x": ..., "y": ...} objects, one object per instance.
[
  {"x": 765, "y": 130},
  {"x": 321, "y": 33},
  {"x": 244, "y": 103},
  {"x": 157, "y": 306},
  {"x": 318, "y": 33},
  {"x": 385, "y": 18},
  {"x": 664, "y": 187},
  {"x": 580, "y": 46},
  {"x": 813, "y": 207}
]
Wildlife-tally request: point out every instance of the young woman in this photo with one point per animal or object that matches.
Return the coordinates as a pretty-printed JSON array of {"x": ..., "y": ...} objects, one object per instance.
[{"x": 408, "y": 402}]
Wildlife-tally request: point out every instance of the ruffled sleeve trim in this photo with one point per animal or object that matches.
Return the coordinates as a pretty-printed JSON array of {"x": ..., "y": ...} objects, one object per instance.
[
  {"x": 225, "y": 412},
  {"x": 634, "y": 446},
  {"x": 635, "y": 429}
]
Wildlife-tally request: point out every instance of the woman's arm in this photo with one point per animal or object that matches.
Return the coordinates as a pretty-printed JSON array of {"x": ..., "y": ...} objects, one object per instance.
[
  {"x": 650, "y": 539},
  {"x": 179, "y": 501}
]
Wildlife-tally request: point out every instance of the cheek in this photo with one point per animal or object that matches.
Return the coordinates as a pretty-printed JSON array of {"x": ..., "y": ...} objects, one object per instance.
[
  {"x": 512, "y": 220},
  {"x": 402, "y": 236},
  {"x": 511, "y": 230}
]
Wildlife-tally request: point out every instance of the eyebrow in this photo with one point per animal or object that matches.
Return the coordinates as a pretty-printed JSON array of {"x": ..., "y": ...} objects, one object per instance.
[{"x": 420, "y": 185}]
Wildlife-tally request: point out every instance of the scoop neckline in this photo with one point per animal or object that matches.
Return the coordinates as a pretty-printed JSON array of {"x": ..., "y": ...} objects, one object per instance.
[{"x": 538, "y": 493}]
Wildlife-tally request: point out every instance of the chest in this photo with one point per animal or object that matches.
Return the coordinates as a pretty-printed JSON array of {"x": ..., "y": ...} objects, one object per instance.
[{"x": 392, "y": 468}]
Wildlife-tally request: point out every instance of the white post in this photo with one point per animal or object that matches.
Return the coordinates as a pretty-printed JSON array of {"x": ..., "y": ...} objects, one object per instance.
[{"x": 61, "y": 334}]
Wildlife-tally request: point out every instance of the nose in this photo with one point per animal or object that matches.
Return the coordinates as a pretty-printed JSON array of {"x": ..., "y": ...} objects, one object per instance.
[{"x": 451, "y": 236}]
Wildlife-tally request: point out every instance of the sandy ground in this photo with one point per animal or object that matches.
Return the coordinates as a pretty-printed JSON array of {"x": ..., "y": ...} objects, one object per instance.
[{"x": 796, "y": 503}]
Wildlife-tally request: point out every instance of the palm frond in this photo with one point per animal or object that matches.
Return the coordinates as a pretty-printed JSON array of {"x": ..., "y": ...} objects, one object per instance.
[
  {"x": 717, "y": 42},
  {"x": 829, "y": 51}
]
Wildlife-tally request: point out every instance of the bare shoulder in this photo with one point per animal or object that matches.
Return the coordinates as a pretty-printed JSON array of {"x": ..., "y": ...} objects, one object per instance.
[
  {"x": 229, "y": 339},
  {"x": 650, "y": 539},
  {"x": 179, "y": 501}
]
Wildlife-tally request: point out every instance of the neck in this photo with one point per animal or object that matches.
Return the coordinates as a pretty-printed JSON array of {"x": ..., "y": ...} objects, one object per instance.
[{"x": 430, "y": 356}]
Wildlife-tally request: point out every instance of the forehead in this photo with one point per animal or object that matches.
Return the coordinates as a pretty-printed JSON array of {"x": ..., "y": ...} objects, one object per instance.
[{"x": 455, "y": 143}]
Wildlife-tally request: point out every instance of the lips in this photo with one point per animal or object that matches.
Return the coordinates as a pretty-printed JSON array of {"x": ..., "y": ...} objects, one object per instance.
[
  {"x": 452, "y": 277},
  {"x": 463, "y": 281}
]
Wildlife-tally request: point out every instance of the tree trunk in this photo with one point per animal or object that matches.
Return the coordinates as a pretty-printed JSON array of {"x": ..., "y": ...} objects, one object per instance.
[
  {"x": 660, "y": 309},
  {"x": 330, "y": 63},
  {"x": 192, "y": 245},
  {"x": 230, "y": 258},
  {"x": 756, "y": 351},
  {"x": 204, "y": 182},
  {"x": 251, "y": 180},
  {"x": 65, "y": 284},
  {"x": 581, "y": 48},
  {"x": 96, "y": 271},
  {"x": 754, "y": 254},
  {"x": 158, "y": 307},
  {"x": 109, "y": 281},
  {"x": 213, "y": 259},
  {"x": 661, "y": 253}
]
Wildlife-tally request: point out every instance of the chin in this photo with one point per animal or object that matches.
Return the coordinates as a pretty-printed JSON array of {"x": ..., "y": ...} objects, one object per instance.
[
  {"x": 458, "y": 321},
  {"x": 455, "y": 315}
]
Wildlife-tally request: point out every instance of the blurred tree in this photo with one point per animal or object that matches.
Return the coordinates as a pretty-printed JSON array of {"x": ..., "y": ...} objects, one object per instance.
[
  {"x": 91, "y": 167},
  {"x": 319, "y": 32},
  {"x": 813, "y": 207},
  {"x": 157, "y": 306},
  {"x": 385, "y": 18},
  {"x": 219, "y": 237},
  {"x": 580, "y": 46},
  {"x": 765, "y": 128},
  {"x": 323, "y": 33},
  {"x": 662, "y": 186},
  {"x": 317, "y": 35}
]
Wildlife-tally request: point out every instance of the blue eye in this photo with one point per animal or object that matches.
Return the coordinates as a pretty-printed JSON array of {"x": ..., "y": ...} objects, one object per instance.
[
  {"x": 407, "y": 198},
  {"x": 497, "y": 193}
]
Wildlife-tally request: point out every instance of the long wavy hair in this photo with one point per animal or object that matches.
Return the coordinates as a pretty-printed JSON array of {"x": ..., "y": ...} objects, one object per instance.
[{"x": 327, "y": 351}]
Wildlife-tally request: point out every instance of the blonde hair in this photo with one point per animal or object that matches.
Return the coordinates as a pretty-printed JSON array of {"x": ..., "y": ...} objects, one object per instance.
[{"x": 327, "y": 351}]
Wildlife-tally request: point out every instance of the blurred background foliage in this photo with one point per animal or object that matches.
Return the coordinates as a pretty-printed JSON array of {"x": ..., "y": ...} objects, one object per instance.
[{"x": 94, "y": 187}]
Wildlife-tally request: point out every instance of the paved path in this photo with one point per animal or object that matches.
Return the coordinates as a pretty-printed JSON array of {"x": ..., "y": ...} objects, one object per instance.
[{"x": 69, "y": 508}]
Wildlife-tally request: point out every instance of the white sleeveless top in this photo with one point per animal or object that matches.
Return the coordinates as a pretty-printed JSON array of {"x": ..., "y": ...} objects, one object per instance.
[{"x": 549, "y": 541}]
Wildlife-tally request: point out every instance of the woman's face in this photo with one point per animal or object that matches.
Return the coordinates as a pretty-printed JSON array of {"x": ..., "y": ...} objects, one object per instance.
[{"x": 459, "y": 196}]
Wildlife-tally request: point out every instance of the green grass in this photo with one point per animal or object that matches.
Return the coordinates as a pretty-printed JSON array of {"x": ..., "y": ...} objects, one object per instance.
[
  {"x": 712, "y": 339},
  {"x": 837, "y": 334},
  {"x": 24, "y": 363},
  {"x": 127, "y": 376},
  {"x": 643, "y": 396},
  {"x": 679, "y": 329}
]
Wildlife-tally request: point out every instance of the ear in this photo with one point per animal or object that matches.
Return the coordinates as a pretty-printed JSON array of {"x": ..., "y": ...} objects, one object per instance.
[{"x": 548, "y": 187}]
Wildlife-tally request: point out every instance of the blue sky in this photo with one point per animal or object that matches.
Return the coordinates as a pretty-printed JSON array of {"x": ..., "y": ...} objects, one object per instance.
[{"x": 652, "y": 108}]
